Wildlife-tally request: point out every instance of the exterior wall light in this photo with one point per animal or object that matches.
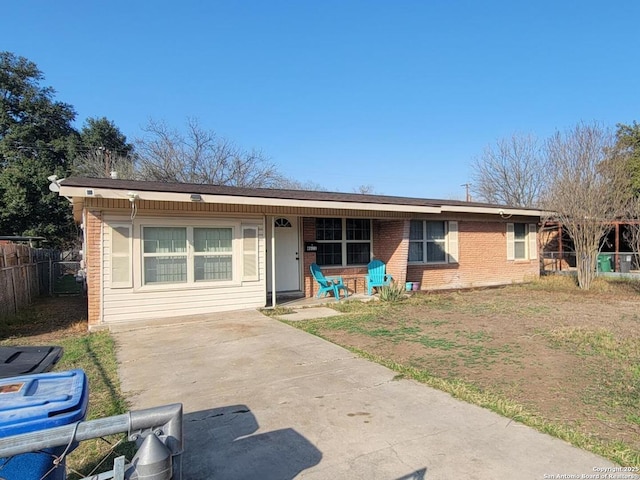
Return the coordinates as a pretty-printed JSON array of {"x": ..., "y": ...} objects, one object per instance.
[{"x": 196, "y": 197}]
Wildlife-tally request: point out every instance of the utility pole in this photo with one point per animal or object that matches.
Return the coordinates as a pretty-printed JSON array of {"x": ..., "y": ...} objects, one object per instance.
[{"x": 467, "y": 186}]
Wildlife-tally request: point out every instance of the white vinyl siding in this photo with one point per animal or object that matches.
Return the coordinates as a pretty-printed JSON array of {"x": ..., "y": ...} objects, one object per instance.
[
  {"x": 433, "y": 241},
  {"x": 522, "y": 242},
  {"x": 121, "y": 267},
  {"x": 162, "y": 300}
]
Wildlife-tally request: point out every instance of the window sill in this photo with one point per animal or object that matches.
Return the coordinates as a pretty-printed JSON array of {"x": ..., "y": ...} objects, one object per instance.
[
  {"x": 172, "y": 287},
  {"x": 427, "y": 264}
]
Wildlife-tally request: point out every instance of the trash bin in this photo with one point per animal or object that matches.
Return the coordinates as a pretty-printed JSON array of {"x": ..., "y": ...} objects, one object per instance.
[
  {"x": 625, "y": 263},
  {"x": 36, "y": 402},
  {"x": 17, "y": 361},
  {"x": 604, "y": 263}
]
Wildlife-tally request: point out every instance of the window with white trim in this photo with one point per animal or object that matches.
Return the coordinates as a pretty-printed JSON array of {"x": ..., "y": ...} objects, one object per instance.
[
  {"x": 213, "y": 259},
  {"x": 185, "y": 255},
  {"x": 522, "y": 243},
  {"x": 343, "y": 241},
  {"x": 433, "y": 241}
]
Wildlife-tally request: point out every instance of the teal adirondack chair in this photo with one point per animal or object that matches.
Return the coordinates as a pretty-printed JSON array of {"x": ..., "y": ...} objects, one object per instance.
[
  {"x": 377, "y": 276},
  {"x": 328, "y": 284}
]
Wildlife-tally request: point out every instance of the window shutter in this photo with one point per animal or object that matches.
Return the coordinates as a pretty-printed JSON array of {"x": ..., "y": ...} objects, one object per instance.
[
  {"x": 250, "y": 253},
  {"x": 511, "y": 254},
  {"x": 533, "y": 241},
  {"x": 452, "y": 242},
  {"x": 121, "y": 274}
]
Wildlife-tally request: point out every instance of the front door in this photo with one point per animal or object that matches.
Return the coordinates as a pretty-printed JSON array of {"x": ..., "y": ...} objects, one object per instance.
[{"x": 287, "y": 241}]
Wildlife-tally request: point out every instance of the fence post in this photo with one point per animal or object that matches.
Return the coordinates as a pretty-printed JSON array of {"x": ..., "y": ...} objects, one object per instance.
[{"x": 13, "y": 289}]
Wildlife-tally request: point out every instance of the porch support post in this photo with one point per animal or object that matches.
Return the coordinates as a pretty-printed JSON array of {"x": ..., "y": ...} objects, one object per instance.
[
  {"x": 273, "y": 261},
  {"x": 560, "y": 252},
  {"x": 617, "y": 259}
]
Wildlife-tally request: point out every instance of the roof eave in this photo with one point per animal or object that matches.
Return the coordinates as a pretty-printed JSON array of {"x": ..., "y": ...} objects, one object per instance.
[
  {"x": 83, "y": 192},
  {"x": 502, "y": 211}
]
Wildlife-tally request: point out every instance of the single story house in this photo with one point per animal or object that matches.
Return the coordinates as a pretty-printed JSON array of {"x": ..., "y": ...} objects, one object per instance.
[{"x": 155, "y": 250}]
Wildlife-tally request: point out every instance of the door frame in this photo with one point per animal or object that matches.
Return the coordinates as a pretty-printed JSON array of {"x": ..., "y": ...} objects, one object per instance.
[{"x": 271, "y": 264}]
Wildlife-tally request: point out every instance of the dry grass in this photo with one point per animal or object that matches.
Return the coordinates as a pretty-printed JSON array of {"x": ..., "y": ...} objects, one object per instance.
[{"x": 548, "y": 354}]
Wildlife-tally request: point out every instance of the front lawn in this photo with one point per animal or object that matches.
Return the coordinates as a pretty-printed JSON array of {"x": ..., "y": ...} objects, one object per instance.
[{"x": 561, "y": 360}]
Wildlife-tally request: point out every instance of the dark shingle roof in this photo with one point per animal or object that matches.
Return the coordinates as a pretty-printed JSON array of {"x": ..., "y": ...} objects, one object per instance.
[{"x": 308, "y": 195}]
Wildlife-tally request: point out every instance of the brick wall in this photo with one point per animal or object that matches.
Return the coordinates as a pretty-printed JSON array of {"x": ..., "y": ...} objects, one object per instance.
[
  {"x": 482, "y": 261},
  {"x": 390, "y": 244},
  {"x": 93, "y": 233}
]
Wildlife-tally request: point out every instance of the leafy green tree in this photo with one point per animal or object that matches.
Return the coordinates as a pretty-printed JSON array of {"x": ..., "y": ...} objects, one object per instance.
[
  {"x": 36, "y": 135},
  {"x": 628, "y": 149},
  {"x": 103, "y": 149}
]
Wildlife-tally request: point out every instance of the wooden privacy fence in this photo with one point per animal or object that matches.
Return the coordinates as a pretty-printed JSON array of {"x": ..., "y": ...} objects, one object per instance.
[{"x": 24, "y": 274}]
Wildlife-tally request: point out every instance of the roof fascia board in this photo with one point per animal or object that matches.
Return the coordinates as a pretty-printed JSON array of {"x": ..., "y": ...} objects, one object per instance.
[
  {"x": 492, "y": 210},
  {"x": 238, "y": 200}
]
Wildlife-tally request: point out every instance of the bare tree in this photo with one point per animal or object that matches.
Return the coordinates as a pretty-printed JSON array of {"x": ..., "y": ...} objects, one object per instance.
[
  {"x": 290, "y": 184},
  {"x": 100, "y": 163},
  {"x": 585, "y": 190},
  {"x": 199, "y": 156},
  {"x": 365, "y": 189},
  {"x": 511, "y": 172}
]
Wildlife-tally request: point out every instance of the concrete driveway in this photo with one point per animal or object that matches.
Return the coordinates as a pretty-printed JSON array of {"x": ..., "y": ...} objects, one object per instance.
[{"x": 263, "y": 400}]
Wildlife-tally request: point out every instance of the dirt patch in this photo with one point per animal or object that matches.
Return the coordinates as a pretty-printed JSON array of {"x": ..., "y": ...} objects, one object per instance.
[
  {"x": 572, "y": 358},
  {"x": 48, "y": 320}
]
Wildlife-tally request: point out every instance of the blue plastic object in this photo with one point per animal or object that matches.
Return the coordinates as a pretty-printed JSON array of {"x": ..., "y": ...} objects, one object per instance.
[
  {"x": 36, "y": 402},
  {"x": 328, "y": 284},
  {"x": 377, "y": 276}
]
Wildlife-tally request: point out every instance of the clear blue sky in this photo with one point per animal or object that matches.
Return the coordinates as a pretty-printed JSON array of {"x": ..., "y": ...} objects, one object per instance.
[{"x": 400, "y": 95}]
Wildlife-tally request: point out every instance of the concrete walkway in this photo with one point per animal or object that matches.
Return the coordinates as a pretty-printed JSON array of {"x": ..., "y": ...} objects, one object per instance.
[{"x": 264, "y": 400}]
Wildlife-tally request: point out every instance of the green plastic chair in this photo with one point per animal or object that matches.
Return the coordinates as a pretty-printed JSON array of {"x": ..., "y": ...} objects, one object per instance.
[
  {"x": 377, "y": 276},
  {"x": 328, "y": 284}
]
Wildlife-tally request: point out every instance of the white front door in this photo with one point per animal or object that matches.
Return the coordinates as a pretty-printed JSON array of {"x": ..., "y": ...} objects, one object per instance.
[{"x": 287, "y": 239}]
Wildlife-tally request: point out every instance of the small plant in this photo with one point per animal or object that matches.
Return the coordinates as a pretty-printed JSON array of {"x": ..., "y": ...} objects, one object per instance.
[{"x": 392, "y": 293}]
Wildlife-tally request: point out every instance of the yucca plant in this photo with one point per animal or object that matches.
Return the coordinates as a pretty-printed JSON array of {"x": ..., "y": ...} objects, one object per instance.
[{"x": 392, "y": 293}]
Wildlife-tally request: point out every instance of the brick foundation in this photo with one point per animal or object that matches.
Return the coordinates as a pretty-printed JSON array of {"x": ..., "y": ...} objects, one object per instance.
[{"x": 93, "y": 233}]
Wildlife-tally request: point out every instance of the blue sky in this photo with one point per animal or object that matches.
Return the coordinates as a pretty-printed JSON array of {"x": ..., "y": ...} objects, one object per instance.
[{"x": 399, "y": 95}]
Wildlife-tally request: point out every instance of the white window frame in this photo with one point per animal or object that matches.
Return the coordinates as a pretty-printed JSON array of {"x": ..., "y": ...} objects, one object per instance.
[
  {"x": 344, "y": 242},
  {"x": 182, "y": 255},
  {"x": 223, "y": 253},
  {"x": 189, "y": 224},
  {"x": 530, "y": 242},
  {"x": 450, "y": 243}
]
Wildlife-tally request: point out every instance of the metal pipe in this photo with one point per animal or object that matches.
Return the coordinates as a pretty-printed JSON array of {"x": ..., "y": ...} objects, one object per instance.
[{"x": 168, "y": 418}]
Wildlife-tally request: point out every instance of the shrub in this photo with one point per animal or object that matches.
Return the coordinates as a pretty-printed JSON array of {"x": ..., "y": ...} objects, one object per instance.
[{"x": 392, "y": 293}]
